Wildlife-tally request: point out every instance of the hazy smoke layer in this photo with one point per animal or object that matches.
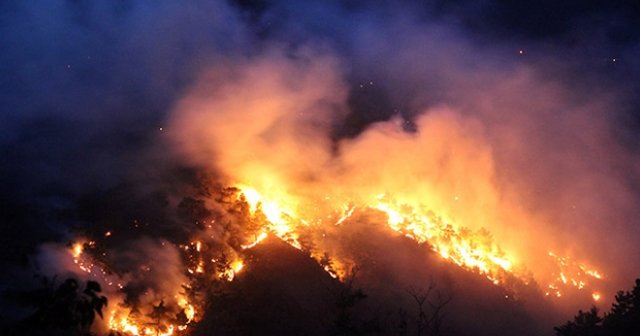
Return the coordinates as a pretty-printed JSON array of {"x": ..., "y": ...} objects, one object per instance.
[
  {"x": 483, "y": 134},
  {"x": 530, "y": 134}
]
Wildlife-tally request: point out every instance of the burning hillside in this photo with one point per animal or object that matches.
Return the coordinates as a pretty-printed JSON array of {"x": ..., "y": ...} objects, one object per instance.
[
  {"x": 434, "y": 182},
  {"x": 371, "y": 168},
  {"x": 268, "y": 134},
  {"x": 149, "y": 296},
  {"x": 163, "y": 287}
]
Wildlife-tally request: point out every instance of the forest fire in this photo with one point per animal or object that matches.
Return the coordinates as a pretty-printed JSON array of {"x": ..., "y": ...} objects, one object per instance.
[
  {"x": 319, "y": 168},
  {"x": 572, "y": 274},
  {"x": 126, "y": 322},
  {"x": 171, "y": 313},
  {"x": 168, "y": 316},
  {"x": 281, "y": 219},
  {"x": 437, "y": 205},
  {"x": 445, "y": 177},
  {"x": 475, "y": 251}
]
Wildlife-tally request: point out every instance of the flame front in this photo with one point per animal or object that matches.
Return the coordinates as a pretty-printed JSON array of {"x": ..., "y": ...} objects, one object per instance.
[
  {"x": 442, "y": 175},
  {"x": 475, "y": 251},
  {"x": 281, "y": 219},
  {"x": 471, "y": 250}
]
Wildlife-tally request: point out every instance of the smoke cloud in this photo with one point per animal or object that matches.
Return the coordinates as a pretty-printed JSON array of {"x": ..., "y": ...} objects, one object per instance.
[
  {"x": 483, "y": 134},
  {"x": 529, "y": 134}
]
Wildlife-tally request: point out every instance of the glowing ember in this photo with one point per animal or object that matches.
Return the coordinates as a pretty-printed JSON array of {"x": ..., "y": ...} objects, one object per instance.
[
  {"x": 237, "y": 266},
  {"x": 262, "y": 236},
  {"x": 233, "y": 270},
  {"x": 124, "y": 320},
  {"x": 128, "y": 327},
  {"x": 76, "y": 250},
  {"x": 349, "y": 211},
  {"x": 572, "y": 274}
]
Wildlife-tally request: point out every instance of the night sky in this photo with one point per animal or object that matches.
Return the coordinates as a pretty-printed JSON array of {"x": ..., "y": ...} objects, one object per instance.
[{"x": 90, "y": 91}]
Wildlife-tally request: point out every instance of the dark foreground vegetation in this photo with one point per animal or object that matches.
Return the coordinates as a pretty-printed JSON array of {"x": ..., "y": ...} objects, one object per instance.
[{"x": 623, "y": 318}]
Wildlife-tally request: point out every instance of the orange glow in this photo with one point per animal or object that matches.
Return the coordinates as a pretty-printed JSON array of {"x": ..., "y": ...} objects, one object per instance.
[
  {"x": 262, "y": 236},
  {"x": 470, "y": 250},
  {"x": 279, "y": 216},
  {"x": 594, "y": 273},
  {"x": 126, "y": 326},
  {"x": 234, "y": 269},
  {"x": 441, "y": 183},
  {"x": 475, "y": 251},
  {"x": 237, "y": 266},
  {"x": 189, "y": 310},
  {"x": 572, "y": 274},
  {"x": 122, "y": 320},
  {"x": 76, "y": 249}
]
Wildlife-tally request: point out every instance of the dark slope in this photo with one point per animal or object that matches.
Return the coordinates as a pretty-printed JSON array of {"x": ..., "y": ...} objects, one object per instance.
[{"x": 282, "y": 291}]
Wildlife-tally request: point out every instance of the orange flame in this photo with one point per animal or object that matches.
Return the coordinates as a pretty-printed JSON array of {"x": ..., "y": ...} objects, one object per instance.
[
  {"x": 121, "y": 319},
  {"x": 473, "y": 250}
]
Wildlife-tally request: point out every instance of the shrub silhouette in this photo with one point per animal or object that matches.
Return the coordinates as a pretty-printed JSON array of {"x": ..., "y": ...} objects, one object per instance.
[
  {"x": 66, "y": 309},
  {"x": 622, "y": 320}
]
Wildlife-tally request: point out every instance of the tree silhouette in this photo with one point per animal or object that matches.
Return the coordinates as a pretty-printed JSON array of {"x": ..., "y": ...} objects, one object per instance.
[
  {"x": 584, "y": 324},
  {"x": 429, "y": 317},
  {"x": 622, "y": 320},
  {"x": 159, "y": 314},
  {"x": 346, "y": 296},
  {"x": 64, "y": 309}
]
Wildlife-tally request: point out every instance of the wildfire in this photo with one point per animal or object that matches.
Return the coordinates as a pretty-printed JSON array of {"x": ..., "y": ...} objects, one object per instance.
[
  {"x": 127, "y": 322},
  {"x": 233, "y": 270},
  {"x": 262, "y": 236},
  {"x": 76, "y": 250},
  {"x": 127, "y": 326},
  {"x": 572, "y": 274},
  {"x": 281, "y": 219},
  {"x": 124, "y": 320},
  {"x": 473, "y": 250}
]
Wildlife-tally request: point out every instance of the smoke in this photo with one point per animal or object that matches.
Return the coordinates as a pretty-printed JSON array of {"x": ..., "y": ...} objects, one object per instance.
[
  {"x": 530, "y": 134},
  {"x": 144, "y": 273},
  {"x": 283, "y": 106},
  {"x": 487, "y": 136}
]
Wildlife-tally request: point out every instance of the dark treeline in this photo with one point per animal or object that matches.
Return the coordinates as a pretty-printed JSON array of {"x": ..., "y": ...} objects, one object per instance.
[{"x": 622, "y": 319}]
